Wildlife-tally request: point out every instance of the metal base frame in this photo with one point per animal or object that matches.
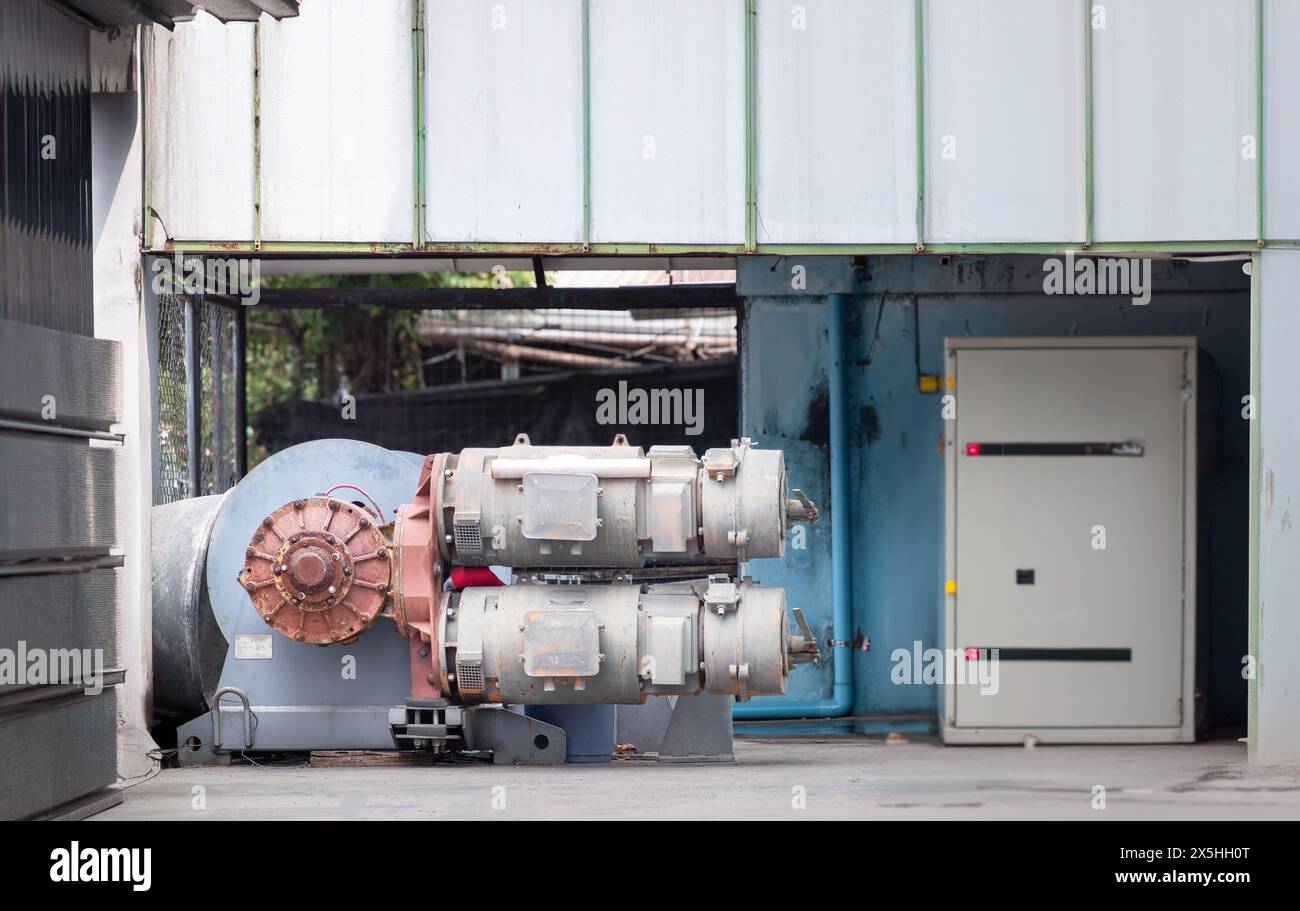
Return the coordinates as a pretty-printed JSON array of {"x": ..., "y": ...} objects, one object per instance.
[
  {"x": 683, "y": 729},
  {"x": 669, "y": 729}
]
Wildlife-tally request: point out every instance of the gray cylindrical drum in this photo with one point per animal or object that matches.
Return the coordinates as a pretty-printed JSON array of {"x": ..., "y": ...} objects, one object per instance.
[{"x": 188, "y": 646}]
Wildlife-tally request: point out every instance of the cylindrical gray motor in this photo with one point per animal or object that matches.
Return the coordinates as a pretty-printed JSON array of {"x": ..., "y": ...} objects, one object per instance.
[
  {"x": 613, "y": 506},
  {"x": 615, "y": 643}
]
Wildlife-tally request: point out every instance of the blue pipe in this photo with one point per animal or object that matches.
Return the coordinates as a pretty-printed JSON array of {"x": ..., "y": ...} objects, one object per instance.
[{"x": 841, "y": 701}]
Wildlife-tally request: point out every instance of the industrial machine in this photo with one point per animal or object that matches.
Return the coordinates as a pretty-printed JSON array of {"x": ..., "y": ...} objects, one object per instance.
[
  {"x": 1071, "y": 539},
  {"x": 624, "y": 578}
]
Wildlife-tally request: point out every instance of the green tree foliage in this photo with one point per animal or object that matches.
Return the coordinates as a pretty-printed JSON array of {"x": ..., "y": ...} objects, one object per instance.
[{"x": 319, "y": 354}]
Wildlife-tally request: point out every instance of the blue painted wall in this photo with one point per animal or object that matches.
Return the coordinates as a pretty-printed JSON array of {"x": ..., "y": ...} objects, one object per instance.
[{"x": 897, "y": 460}]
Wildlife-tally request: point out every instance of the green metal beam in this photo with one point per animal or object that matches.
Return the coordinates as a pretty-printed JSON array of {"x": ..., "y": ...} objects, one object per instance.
[
  {"x": 146, "y": 186},
  {"x": 751, "y": 108},
  {"x": 1259, "y": 122},
  {"x": 919, "y": 15},
  {"x": 256, "y": 134},
  {"x": 586, "y": 124},
  {"x": 1256, "y": 493},
  {"x": 418, "y": 114},
  {"x": 1088, "y": 185},
  {"x": 626, "y": 249}
]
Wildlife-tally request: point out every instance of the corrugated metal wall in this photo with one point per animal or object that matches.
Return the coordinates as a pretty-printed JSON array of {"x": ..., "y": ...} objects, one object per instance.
[
  {"x": 732, "y": 125},
  {"x": 58, "y": 387},
  {"x": 44, "y": 169}
]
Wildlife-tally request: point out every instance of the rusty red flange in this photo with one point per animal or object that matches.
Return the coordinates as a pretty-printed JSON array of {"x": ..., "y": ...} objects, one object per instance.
[
  {"x": 419, "y": 580},
  {"x": 318, "y": 570}
]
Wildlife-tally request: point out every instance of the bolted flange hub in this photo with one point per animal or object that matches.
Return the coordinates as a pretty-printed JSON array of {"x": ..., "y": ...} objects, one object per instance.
[{"x": 318, "y": 570}]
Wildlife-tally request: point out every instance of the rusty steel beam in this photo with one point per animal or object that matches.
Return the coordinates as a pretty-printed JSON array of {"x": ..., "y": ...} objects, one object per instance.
[{"x": 665, "y": 297}]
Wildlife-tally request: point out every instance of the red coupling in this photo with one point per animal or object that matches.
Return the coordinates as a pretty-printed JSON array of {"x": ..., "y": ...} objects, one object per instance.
[{"x": 463, "y": 577}]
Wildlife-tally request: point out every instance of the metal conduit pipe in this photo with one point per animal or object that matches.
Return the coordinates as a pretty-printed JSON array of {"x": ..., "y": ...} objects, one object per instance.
[{"x": 840, "y": 702}]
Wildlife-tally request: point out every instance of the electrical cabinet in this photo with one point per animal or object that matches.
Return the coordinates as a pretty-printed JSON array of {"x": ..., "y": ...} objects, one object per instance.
[{"x": 1071, "y": 539}]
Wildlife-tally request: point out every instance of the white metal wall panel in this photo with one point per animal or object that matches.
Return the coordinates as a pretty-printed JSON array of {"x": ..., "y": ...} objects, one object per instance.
[
  {"x": 836, "y": 121},
  {"x": 200, "y": 130},
  {"x": 1281, "y": 119},
  {"x": 1004, "y": 121},
  {"x": 1174, "y": 95},
  {"x": 337, "y": 123},
  {"x": 668, "y": 121},
  {"x": 503, "y": 93},
  {"x": 1279, "y": 545}
]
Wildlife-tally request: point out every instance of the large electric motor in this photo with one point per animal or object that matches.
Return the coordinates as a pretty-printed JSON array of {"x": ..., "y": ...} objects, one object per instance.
[{"x": 629, "y": 567}]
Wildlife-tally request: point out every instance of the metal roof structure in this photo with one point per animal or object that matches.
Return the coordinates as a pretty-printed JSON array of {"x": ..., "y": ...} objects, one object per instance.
[{"x": 109, "y": 14}]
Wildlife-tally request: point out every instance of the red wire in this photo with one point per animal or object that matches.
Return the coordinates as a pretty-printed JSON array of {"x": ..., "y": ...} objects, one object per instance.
[{"x": 363, "y": 493}]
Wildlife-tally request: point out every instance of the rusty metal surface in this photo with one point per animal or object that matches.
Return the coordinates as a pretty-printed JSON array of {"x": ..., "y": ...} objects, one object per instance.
[
  {"x": 419, "y": 574},
  {"x": 318, "y": 570}
]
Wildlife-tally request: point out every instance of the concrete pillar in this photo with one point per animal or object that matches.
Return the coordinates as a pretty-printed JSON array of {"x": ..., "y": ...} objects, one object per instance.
[{"x": 116, "y": 194}]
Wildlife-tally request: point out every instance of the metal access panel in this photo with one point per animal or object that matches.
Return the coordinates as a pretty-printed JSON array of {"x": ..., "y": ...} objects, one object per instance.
[{"x": 1071, "y": 539}]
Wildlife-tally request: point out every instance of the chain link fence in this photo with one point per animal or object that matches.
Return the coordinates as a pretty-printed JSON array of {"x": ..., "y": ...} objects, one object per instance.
[{"x": 198, "y": 372}]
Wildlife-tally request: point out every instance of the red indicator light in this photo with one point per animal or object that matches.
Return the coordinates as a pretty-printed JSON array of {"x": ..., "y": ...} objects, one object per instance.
[
  {"x": 972, "y": 654},
  {"x": 972, "y": 449}
]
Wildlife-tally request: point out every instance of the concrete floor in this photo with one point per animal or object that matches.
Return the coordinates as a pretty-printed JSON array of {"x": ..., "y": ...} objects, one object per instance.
[{"x": 838, "y": 778}]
